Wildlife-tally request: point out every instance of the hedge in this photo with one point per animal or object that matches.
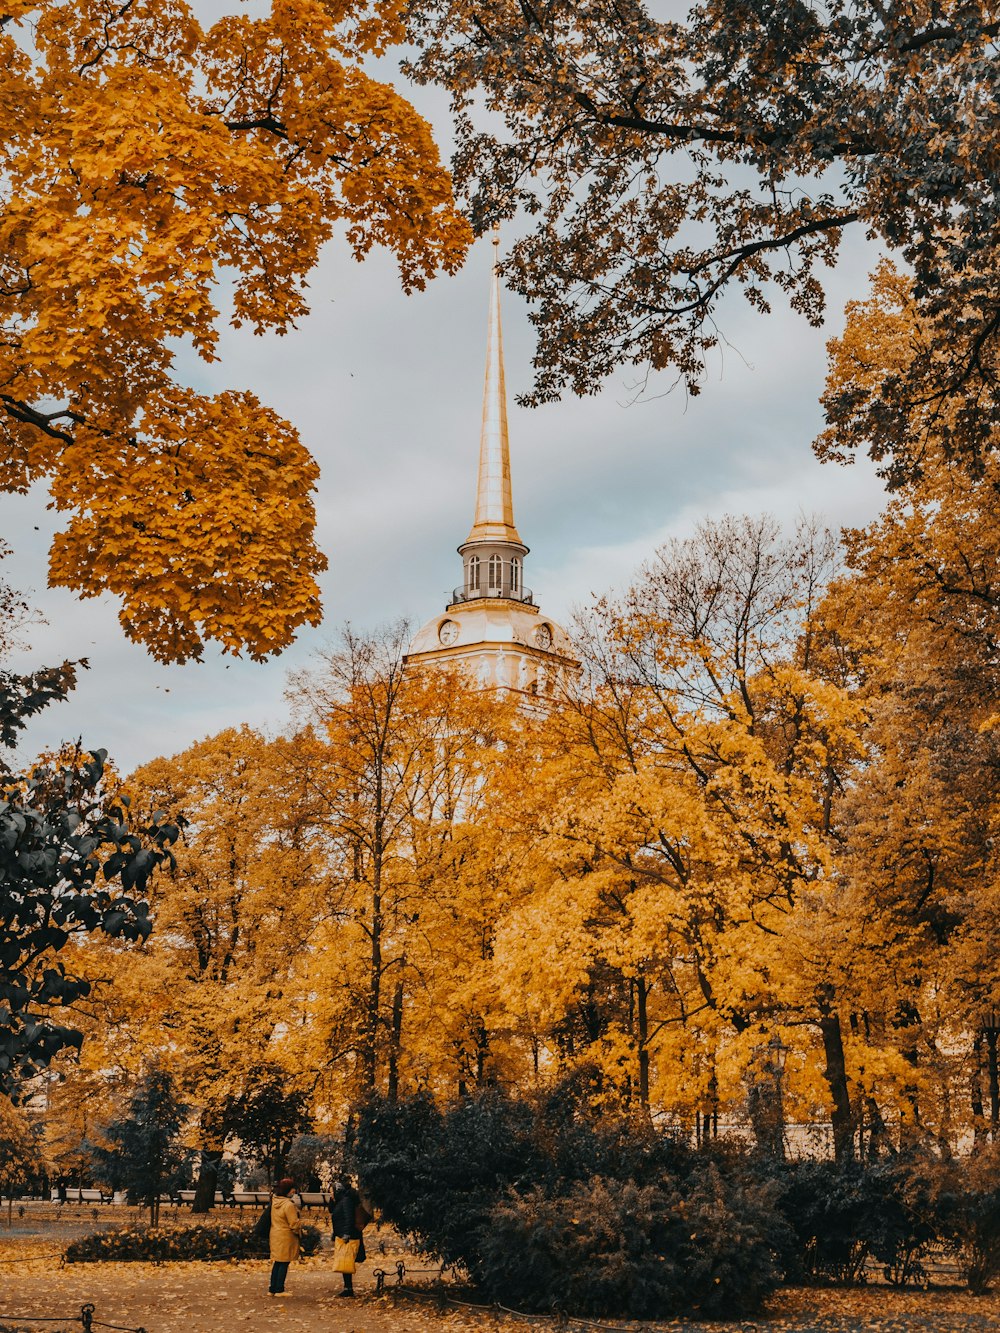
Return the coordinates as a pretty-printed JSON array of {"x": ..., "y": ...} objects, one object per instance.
[
  {"x": 165, "y": 1245},
  {"x": 549, "y": 1206}
]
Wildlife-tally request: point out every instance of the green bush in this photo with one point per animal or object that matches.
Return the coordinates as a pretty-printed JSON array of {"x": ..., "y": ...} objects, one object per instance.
[
  {"x": 619, "y": 1249},
  {"x": 844, "y": 1217},
  {"x": 966, "y": 1201},
  {"x": 548, "y": 1205},
  {"x": 436, "y": 1175},
  {"x": 165, "y": 1245}
]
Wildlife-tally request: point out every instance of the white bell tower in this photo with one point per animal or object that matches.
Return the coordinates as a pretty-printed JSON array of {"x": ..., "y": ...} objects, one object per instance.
[{"x": 492, "y": 627}]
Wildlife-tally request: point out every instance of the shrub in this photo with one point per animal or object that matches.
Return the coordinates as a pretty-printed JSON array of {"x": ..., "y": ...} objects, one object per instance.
[
  {"x": 966, "y": 1201},
  {"x": 842, "y": 1216},
  {"x": 165, "y": 1245},
  {"x": 619, "y": 1249},
  {"x": 550, "y": 1205},
  {"x": 436, "y": 1176}
]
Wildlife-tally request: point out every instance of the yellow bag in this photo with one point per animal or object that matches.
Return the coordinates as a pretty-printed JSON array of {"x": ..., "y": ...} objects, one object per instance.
[{"x": 345, "y": 1253}]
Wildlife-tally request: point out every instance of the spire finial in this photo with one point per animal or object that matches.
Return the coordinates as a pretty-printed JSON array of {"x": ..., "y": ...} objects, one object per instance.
[{"x": 494, "y": 506}]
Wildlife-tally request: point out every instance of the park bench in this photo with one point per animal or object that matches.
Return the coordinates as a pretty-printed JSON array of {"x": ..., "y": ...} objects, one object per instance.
[
  {"x": 235, "y": 1199},
  {"x": 75, "y": 1194},
  {"x": 249, "y": 1198}
]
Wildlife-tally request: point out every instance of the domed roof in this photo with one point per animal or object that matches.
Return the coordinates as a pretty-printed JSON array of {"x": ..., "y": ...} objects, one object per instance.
[{"x": 492, "y": 620}]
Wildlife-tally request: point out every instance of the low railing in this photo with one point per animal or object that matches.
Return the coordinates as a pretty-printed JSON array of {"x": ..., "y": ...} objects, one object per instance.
[{"x": 484, "y": 594}]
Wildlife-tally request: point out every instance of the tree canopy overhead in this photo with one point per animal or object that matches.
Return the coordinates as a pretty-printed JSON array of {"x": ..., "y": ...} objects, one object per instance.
[
  {"x": 665, "y": 158},
  {"x": 144, "y": 161}
]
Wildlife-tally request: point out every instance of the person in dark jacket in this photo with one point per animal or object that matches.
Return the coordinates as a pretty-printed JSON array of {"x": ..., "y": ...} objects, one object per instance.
[{"x": 348, "y": 1217}]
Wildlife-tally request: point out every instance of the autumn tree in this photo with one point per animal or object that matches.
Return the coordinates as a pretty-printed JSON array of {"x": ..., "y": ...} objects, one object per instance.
[
  {"x": 147, "y": 161},
  {"x": 685, "y": 824},
  {"x": 80, "y": 1092},
  {"x": 208, "y": 991},
  {"x": 20, "y": 1149},
  {"x": 399, "y": 767},
  {"x": 918, "y": 616},
  {"x": 666, "y": 158}
]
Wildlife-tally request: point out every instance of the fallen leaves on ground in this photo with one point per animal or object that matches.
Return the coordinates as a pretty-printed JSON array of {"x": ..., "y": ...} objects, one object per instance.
[{"x": 215, "y": 1297}]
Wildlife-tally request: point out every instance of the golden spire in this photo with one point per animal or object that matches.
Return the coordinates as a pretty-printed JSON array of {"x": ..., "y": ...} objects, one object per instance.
[{"x": 494, "y": 507}]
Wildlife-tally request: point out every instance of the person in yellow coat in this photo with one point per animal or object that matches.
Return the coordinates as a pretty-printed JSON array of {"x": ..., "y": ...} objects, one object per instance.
[{"x": 283, "y": 1239}]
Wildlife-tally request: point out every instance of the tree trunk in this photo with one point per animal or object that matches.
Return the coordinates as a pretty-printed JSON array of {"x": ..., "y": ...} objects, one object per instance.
[
  {"x": 878, "y": 1134},
  {"x": 910, "y": 1128},
  {"x": 482, "y": 1054},
  {"x": 642, "y": 1035},
  {"x": 395, "y": 1042},
  {"x": 836, "y": 1076},
  {"x": 208, "y": 1177},
  {"x": 369, "y": 1061},
  {"x": 976, "y": 1092}
]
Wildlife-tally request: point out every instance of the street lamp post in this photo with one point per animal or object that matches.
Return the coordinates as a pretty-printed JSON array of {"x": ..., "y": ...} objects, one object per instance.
[
  {"x": 777, "y": 1054},
  {"x": 991, "y": 1031},
  {"x": 764, "y": 1097}
]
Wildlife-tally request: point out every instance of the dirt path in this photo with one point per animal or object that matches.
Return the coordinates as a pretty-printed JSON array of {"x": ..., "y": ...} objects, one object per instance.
[
  {"x": 229, "y": 1297},
  {"x": 203, "y": 1298},
  {"x": 217, "y": 1298}
]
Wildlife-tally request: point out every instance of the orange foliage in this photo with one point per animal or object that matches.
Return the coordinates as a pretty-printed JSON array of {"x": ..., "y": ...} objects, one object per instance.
[{"x": 145, "y": 160}]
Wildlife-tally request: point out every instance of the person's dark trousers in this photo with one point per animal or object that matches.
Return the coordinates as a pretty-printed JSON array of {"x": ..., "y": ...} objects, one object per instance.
[{"x": 279, "y": 1271}]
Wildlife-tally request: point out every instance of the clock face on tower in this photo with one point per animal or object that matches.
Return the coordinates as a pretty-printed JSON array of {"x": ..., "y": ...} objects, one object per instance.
[
  {"x": 543, "y": 636},
  {"x": 448, "y": 632}
]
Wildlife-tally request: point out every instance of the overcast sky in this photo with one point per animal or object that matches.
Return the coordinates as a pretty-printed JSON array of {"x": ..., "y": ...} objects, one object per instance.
[{"x": 386, "y": 392}]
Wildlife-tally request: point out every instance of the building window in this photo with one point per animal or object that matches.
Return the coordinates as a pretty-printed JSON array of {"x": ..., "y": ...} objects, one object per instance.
[
  {"x": 474, "y": 574},
  {"x": 515, "y": 574},
  {"x": 496, "y": 571}
]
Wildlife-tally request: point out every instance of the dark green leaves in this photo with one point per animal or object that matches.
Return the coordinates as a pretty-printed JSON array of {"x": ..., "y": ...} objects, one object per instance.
[
  {"x": 70, "y": 863},
  {"x": 664, "y": 164},
  {"x": 21, "y": 697}
]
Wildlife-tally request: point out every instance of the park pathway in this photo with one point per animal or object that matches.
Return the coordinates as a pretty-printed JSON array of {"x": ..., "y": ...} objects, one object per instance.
[{"x": 225, "y": 1298}]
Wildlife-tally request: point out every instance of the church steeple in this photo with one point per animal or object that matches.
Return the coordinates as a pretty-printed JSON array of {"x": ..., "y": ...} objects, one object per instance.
[
  {"x": 494, "y": 519},
  {"x": 493, "y": 553},
  {"x": 492, "y": 629}
]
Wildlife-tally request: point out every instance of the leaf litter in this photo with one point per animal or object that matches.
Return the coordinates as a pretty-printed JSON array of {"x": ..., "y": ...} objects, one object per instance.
[{"x": 213, "y": 1297}]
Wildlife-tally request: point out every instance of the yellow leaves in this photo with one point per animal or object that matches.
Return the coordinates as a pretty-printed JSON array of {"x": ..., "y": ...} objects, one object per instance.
[
  {"x": 680, "y": 840},
  {"x": 144, "y": 160},
  {"x": 202, "y": 525},
  {"x": 87, "y": 37},
  {"x": 205, "y": 992}
]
